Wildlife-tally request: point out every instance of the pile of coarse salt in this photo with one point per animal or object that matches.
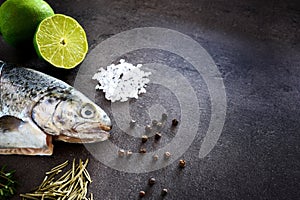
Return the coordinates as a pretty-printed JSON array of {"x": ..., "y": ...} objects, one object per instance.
[{"x": 122, "y": 81}]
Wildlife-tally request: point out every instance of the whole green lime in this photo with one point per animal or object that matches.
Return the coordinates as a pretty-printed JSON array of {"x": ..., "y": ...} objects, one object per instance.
[{"x": 20, "y": 18}]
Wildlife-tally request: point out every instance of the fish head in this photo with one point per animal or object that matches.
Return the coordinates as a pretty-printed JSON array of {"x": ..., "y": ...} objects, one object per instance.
[{"x": 74, "y": 118}]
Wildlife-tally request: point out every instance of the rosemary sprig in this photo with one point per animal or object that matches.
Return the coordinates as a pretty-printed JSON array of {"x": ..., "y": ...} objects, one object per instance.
[
  {"x": 73, "y": 184},
  {"x": 7, "y": 183}
]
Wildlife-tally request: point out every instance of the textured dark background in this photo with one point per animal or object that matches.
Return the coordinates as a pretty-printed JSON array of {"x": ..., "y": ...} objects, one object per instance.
[{"x": 255, "y": 45}]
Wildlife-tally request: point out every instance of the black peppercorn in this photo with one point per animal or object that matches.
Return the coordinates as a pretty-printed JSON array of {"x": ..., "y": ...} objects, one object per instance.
[
  {"x": 164, "y": 117},
  {"x": 132, "y": 123},
  {"x": 157, "y": 136},
  {"x": 164, "y": 192},
  {"x": 142, "y": 193},
  {"x": 154, "y": 122},
  {"x": 175, "y": 122},
  {"x": 144, "y": 138},
  {"x": 182, "y": 163},
  {"x": 151, "y": 181},
  {"x": 143, "y": 150},
  {"x": 159, "y": 125}
]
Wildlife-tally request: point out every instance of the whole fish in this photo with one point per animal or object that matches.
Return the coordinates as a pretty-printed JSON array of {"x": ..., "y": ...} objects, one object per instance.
[{"x": 36, "y": 108}]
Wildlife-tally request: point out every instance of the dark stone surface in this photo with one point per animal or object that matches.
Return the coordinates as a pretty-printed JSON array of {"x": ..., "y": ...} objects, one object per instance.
[{"x": 255, "y": 45}]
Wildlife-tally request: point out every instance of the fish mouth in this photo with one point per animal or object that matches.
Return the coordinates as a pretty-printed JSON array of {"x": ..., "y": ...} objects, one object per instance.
[
  {"x": 85, "y": 133},
  {"x": 65, "y": 138}
]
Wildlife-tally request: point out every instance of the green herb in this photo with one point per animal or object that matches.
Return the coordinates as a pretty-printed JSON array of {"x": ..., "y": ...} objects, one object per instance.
[
  {"x": 72, "y": 185},
  {"x": 7, "y": 184}
]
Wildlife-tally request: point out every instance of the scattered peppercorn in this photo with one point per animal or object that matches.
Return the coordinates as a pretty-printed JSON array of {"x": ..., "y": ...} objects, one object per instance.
[
  {"x": 154, "y": 122},
  {"x": 152, "y": 181},
  {"x": 159, "y": 125},
  {"x": 164, "y": 116},
  {"x": 132, "y": 123},
  {"x": 157, "y": 136},
  {"x": 175, "y": 122},
  {"x": 129, "y": 153},
  {"x": 167, "y": 154},
  {"x": 143, "y": 150},
  {"x": 144, "y": 138},
  {"x": 182, "y": 163},
  {"x": 164, "y": 192},
  {"x": 121, "y": 152},
  {"x": 142, "y": 193}
]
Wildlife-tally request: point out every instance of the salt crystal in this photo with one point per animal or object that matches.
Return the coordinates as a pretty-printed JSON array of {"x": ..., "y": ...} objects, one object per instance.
[{"x": 122, "y": 81}]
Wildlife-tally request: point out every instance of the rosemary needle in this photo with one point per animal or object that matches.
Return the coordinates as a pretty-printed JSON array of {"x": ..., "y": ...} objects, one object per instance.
[
  {"x": 7, "y": 184},
  {"x": 73, "y": 184}
]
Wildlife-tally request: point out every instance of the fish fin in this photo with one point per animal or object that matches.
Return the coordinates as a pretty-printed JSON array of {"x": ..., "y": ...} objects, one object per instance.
[
  {"x": 48, "y": 151},
  {"x": 23, "y": 137},
  {"x": 9, "y": 123}
]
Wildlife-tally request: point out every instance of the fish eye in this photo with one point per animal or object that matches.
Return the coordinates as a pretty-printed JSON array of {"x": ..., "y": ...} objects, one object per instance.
[{"x": 87, "y": 111}]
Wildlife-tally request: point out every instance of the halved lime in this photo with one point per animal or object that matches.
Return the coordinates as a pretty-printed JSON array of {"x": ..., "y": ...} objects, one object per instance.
[{"x": 61, "y": 41}]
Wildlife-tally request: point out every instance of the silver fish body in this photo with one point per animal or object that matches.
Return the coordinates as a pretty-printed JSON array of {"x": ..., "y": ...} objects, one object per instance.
[{"x": 34, "y": 107}]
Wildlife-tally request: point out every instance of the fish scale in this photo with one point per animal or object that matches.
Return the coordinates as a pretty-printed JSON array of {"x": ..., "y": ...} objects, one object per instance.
[{"x": 21, "y": 88}]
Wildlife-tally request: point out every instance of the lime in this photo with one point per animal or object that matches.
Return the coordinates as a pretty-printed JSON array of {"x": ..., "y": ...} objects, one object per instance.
[
  {"x": 20, "y": 18},
  {"x": 61, "y": 41}
]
